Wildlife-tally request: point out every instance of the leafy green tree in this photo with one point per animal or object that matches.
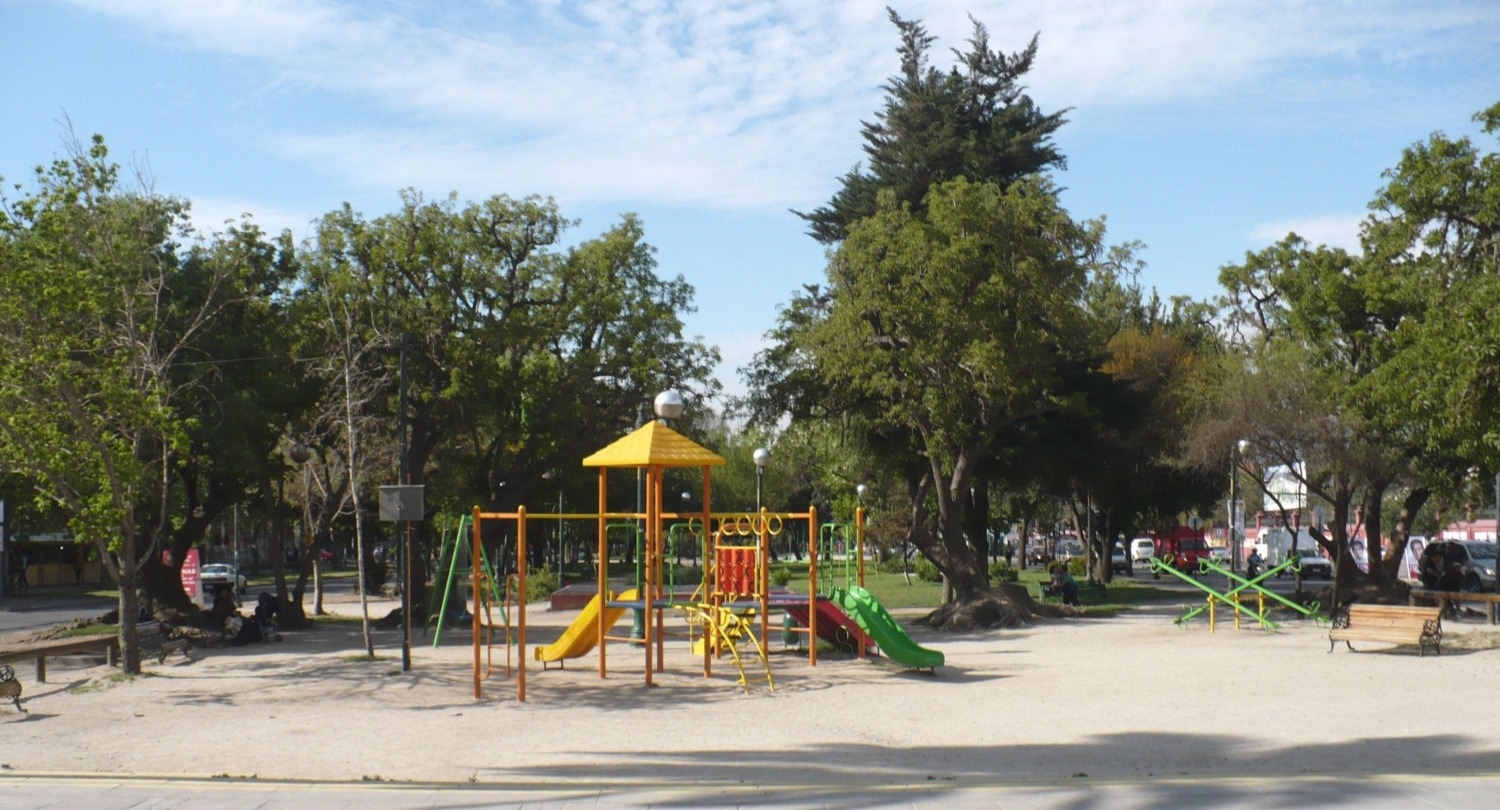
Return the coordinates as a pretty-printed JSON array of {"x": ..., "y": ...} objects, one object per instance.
[
  {"x": 954, "y": 325},
  {"x": 235, "y": 381},
  {"x": 91, "y": 330},
  {"x": 1436, "y": 226},
  {"x": 522, "y": 357}
]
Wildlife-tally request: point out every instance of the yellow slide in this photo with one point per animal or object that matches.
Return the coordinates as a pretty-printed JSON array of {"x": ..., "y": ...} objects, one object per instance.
[{"x": 583, "y": 633}]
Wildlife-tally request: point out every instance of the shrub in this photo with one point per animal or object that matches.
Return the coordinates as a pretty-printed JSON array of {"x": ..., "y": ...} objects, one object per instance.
[
  {"x": 893, "y": 564},
  {"x": 540, "y": 583},
  {"x": 1078, "y": 567},
  {"x": 781, "y": 575},
  {"x": 1002, "y": 571},
  {"x": 927, "y": 570}
]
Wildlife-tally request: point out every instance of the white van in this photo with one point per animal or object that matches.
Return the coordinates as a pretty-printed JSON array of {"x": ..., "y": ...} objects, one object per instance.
[{"x": 1142, "y": 548}]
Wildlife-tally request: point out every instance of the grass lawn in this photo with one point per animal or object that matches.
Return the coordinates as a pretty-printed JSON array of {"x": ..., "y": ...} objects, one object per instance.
[{"x": 895, "y": 592}]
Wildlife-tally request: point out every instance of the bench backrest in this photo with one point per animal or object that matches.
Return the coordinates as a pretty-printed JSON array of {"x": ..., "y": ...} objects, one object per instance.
[{"x": 1393, "y": 613}]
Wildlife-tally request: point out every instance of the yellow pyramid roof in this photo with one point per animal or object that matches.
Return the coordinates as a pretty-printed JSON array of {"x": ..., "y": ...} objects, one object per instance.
[{"x": 654, "y": 444}]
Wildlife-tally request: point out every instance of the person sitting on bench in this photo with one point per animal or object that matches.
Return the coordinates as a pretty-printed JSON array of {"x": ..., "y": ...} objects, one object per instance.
[{"x": 1064, "y": 585}]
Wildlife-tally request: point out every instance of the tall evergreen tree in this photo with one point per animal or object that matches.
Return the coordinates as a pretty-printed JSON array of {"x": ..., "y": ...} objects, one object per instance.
[{"x": 973, "y": 121}]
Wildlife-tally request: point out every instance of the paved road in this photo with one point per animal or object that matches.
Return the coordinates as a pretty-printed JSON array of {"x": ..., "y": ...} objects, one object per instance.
[
  {"x": 24, "y": 613},
  {"x": 1366, "y": 793}
]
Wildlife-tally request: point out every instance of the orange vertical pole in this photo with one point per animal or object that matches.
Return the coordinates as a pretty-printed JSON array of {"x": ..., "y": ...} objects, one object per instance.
[
  {"x": 712, "y": 573},
  {"x": 812, "y": 586},
  {"x": 707, "y": 583},
  {"x": 647, "y": 592},
  {"x": 474, "y": 559},
  {"x": 603, "y": 570},
  {"x": 763, "y": 579},
  {"x": 661, "y": 553},
  {"x": 521, "y": 598},
  {"x": 707, "y": 512}
]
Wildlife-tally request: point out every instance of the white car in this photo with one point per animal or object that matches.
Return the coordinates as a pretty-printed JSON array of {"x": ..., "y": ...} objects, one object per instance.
[
  {"x": 1314, "y": 564},
  {"x": 216, "y": 576},
  {"x": 1142, "y": 548}
]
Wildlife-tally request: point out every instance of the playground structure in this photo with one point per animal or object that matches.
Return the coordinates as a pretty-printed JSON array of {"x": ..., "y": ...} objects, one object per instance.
[
  {"x": 1232, "y": 597},
  {"x": 730, "y": 607}
]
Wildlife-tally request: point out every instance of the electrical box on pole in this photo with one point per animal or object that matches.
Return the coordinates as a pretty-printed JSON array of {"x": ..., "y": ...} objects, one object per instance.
[{"x": 401, "y": 502}]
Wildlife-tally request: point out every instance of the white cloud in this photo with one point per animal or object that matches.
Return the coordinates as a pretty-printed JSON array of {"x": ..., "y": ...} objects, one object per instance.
[
  {"x": 735, "y": 103},
  {"x": 214, "y": 214},
  {"x": 1336, "y": 230}
]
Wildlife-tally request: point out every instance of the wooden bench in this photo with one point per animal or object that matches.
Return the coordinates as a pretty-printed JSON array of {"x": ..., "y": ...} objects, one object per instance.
[
  {"x": 1396, "y": 624},
  {"x": 1445, "y": 598},
  {"x": 40, "y": 651}
]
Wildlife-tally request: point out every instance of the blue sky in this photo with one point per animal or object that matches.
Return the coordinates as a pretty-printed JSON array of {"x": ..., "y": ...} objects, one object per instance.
[{"x": 1202, "y": 129}]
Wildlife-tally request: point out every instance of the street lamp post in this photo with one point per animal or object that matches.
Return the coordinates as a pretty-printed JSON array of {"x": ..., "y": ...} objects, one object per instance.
[
  {"x": 1236, "y": 542},
  {"x": 762, "y": 457}
]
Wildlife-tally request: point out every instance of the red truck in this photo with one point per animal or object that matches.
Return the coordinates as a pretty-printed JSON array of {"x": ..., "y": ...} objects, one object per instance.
[{"x": 1182, "y": 548}]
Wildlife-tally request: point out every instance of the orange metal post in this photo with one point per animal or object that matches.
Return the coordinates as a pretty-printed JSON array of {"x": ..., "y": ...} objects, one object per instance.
[
  {"x": 603, "y": 558},
  {"x": 474, "y": 558},
  {"x": 521, "y": 599},
  {"x": 661, "y": 554},
  {"x": 812, "y": 586},
  {"x": 763, "y": 578},
  {"x": 711, "y": 584},
  {"x": 648, "y": 592},
  {"x": 707, "y": 561}
]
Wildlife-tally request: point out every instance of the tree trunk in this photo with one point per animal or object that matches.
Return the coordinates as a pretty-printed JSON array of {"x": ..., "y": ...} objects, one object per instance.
[
  {"x": 318, "y": 587},
  {"x": 130, "y": 644},
  {"x": 163, "y": 585},
  {"x": 1373, "y": 516},
  {"x": 1343, "y": 580}
]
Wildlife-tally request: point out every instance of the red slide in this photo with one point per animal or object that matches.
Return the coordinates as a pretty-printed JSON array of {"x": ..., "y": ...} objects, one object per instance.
[{"x": 833, "y": 624}]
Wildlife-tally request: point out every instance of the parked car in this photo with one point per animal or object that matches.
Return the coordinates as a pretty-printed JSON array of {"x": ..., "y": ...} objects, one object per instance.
[
  {"x": 1465, "y": 565},
  {"x": 1182, "y": 549},
  {"x": 1117, "y": 559},
  {"x": 1037, "y": 553},
  {"x": 1314, "y": 564},
  {"x": 1069, "y": 549},
  {"x": 1142, "y": 548},
  {"x": 221, "y": 576},
  {"x": 1218, "y": 555}
]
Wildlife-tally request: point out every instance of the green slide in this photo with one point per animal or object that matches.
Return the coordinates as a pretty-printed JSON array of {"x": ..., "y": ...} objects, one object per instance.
[{"x": 894, "y": 643}]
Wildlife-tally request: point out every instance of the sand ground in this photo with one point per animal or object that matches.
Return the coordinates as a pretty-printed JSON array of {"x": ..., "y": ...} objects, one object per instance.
[{"x": 1130, "y": 697}]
